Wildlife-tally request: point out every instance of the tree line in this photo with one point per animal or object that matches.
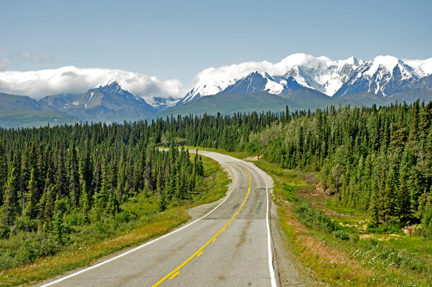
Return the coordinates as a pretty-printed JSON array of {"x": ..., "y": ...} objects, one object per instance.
[{"x": 49, "y": 173}]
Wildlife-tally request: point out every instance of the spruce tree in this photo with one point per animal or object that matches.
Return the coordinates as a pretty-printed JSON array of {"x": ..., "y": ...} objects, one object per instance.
[
  {"x": 73, "y": 178},
  {"x": 30, "y": 210},
  {"x": 58, "y": 228},
  {"x": 10, "y": 200},
  {"x": 3, "y": 171}
]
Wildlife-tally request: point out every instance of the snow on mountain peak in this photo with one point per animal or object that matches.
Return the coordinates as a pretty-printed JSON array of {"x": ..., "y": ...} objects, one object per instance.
[
  {"x": 422, "y": 67},
  {"x": 307, "y": 70},
  {"x": 388, "y": 62},
  {"x": 350, "y": 61},
  {"x": 106, "y": 84}
]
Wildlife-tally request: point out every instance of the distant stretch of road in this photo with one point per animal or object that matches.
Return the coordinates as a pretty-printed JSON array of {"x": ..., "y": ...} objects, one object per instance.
[{"x": 230, "y": 246}]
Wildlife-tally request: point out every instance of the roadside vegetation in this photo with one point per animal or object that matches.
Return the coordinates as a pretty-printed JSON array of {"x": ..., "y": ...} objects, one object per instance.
[
  {"x": 334, "y": 241},
  {"x": 81, "y": 250}
]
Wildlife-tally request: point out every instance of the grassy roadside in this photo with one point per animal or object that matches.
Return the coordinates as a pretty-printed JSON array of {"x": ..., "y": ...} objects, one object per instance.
[
  {"x": 152, "y": 226},
  {"x": 326, "y": 238}
]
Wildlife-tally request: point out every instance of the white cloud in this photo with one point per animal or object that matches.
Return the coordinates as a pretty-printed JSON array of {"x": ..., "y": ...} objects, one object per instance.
[{"x": 37, "y": 84}]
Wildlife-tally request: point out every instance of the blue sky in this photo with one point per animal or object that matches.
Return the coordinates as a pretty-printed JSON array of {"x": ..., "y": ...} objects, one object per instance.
[{"x": 178, "y": 39}]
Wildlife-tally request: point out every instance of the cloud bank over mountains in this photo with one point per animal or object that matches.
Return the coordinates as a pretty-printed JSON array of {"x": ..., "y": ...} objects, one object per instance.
[{"x": 70, "y": 79}]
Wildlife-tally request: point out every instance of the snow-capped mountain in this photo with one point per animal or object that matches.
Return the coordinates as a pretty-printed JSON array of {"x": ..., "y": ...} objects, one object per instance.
[
  {"x": 105, "y": 102},
  {"x": 258, "y": 81},
  {"x": 293, "y": 72},
  {"x": 383, "y": 76}
]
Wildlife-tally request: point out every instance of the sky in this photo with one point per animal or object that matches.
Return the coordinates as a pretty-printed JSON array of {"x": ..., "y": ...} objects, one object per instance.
[{"x": 171, "y": 42}]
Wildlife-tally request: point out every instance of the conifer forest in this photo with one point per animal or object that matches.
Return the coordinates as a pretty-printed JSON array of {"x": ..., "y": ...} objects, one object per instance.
[{"x": 58, "y": 183}]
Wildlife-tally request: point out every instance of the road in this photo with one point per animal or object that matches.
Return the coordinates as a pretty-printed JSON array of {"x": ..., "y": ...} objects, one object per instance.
[{"x": 230, "y": 246}]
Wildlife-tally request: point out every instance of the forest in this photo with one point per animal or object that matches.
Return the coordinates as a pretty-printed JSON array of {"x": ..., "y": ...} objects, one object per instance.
[{"x": 56, "y": 182}]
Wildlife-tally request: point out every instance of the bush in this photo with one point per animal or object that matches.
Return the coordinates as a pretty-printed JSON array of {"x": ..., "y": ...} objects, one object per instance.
[
  {"x": 393, "y": 228},
  {"x": 341, "y": 235},
  {"x": 375, "y": 229},
  {"x": 23, "y": 249},
  {"x": 314, "y": 218},
  {"x": 355, "y": 238}
]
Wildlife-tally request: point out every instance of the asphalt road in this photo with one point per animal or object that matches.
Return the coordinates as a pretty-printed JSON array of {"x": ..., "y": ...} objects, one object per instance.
[{"x": 228, "y": 247}]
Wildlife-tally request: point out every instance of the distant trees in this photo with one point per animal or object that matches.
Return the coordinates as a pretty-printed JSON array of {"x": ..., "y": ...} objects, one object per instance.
[{"x": 85, "y": 171}]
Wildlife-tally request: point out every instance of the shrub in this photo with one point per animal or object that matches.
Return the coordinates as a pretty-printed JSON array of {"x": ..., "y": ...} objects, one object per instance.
[
  {"x": 355, "y": 238},
  {"x": 314, "y": 218},
  {"x": 341, "y": 235}
]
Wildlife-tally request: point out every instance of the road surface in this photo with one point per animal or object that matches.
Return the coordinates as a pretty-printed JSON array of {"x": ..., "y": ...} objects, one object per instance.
[{"x": 230, "y": 246}]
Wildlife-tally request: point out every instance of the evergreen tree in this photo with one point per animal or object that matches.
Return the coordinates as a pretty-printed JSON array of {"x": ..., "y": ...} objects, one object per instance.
[
  {"x": 30, "y": 210},
  {"x": 74, "y": 184},
  {"x": 58, "y": 228},
  {"x": 3, "y": 171},
  {"x": 10, "y": 201}
]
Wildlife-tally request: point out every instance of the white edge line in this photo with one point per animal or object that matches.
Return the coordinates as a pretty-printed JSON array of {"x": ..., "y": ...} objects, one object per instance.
[
  {"x": 270, "y": 254},
  {"x": 135, "y": 249}
]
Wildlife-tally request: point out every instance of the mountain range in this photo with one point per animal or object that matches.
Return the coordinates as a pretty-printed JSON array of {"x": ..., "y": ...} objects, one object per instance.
[{"x": 300, "y": 81}]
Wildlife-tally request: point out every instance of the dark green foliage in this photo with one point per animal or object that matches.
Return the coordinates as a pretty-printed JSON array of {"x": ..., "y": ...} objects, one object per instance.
[
  {"x": 58, "y": 230},
  {"x": 314, "y": 218},
  {"x": 341, "y": 234}
]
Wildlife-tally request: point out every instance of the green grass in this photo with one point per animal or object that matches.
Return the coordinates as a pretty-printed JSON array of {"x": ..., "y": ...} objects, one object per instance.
[{"x": 333, "y": 205}]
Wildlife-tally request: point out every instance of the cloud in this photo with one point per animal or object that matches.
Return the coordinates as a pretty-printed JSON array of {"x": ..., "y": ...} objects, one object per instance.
[{"x": 70, "y": 79}]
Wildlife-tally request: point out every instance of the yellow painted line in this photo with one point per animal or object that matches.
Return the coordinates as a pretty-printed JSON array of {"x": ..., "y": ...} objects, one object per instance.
[
  {"x": 200, "y": 253},
  {"x": 215, "y": 239},
  {"x": 176, "y": 271}
]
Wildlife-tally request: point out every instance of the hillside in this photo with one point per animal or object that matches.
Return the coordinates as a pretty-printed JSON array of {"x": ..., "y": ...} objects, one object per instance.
[{"x": 33, "y": 118}]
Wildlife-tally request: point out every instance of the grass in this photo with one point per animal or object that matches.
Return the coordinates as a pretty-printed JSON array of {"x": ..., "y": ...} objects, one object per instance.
[
  {"x": 151, "y": 226},
  {"x": 338, "y": 255}
]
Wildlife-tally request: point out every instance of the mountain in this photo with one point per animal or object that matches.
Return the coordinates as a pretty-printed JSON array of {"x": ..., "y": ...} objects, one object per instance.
[
  {"x": 323, "y": 74},
  {"x": 263, "y": 82},
  {"x": 292, "y": 73},
  {"x": 107, "y": 102},
  {"x": 23, "y": 111},
  {"x": 14, "y": 102},
  {"x": 302, "y": 99},
  {"x": 424, "y": 83},
  {"x": 385, "y": 75},
  {"x": 229, "y": 103},
  {"x": 33, "y": 118}
]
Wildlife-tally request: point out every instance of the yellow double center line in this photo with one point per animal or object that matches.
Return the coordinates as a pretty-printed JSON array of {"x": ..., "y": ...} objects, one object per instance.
[{"x": 176, "y": 271}]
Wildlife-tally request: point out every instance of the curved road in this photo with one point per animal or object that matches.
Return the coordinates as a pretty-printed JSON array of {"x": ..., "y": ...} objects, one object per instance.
[{"x": 230, "y": 246}]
